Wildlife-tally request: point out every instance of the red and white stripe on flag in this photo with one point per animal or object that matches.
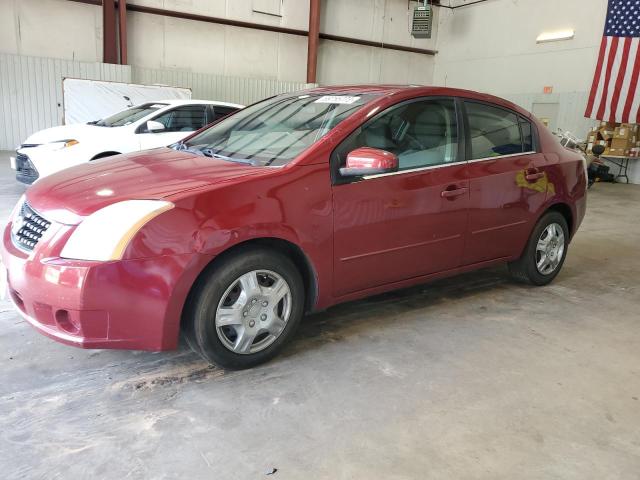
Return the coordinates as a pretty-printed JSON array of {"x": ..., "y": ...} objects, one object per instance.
[{"x": 615, "y": 92}]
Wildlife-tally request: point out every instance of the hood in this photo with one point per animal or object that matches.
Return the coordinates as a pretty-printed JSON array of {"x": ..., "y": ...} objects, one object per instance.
[
  {"x": 71, "y": 194},
  {"x": 64, "y": 132}
]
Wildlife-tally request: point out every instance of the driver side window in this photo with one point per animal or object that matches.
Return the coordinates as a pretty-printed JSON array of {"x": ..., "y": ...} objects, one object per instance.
[{"x": 420, "y": 134}]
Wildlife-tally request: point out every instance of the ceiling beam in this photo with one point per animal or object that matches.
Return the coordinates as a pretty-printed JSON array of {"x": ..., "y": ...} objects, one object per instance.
[{"x": 259, "y": 26}]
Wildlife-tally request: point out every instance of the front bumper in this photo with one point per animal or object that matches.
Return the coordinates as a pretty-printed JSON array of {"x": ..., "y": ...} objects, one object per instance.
[{"x": 128, "y": 304}]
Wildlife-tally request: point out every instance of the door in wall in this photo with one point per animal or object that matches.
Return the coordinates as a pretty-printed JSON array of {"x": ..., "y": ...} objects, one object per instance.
[{"x": 547, "y": 113}]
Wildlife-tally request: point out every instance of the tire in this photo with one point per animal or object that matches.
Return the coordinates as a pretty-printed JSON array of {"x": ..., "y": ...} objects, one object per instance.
[
  {"x": 526, "y": 269},
  {"x": 243, "y": 290}
]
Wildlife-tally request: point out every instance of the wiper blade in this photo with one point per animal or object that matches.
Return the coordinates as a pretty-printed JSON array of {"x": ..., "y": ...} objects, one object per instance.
[
  {"x": 182, "y": 147},
  {"x": 207, "y": 152}
]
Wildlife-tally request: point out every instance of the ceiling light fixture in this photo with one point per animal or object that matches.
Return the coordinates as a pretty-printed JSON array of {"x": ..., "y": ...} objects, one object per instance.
[{"x": 556, "y": 36}]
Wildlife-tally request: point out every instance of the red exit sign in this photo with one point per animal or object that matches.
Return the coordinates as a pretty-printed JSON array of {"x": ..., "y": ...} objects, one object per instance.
[{"x": 548, "y": 90}]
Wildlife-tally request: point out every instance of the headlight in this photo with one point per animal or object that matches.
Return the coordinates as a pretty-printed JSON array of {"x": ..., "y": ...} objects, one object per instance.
[
  {"x": 60, "y": 144},
  {"x": 105, "y": 234}
]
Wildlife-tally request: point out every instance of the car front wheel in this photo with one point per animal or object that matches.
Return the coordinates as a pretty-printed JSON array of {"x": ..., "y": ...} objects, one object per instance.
[
  {"x": 545, "y": 252},
  {"x": 244, "y": 308}
]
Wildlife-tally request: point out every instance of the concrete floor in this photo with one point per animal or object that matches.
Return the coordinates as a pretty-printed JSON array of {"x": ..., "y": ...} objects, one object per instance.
[{"x": 473, "y": 377}]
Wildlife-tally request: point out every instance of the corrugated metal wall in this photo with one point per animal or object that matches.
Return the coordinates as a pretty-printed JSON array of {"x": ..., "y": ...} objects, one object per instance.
[
  {"x": 31, "y": 89},
  {"x": 216, "y": 87},
  {"x": 31, "y": 92}
]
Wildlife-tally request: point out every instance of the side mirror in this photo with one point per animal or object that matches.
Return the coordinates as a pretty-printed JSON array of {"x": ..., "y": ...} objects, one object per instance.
[
  {"x": 369, "y": 161},
  {"x": 153, "y": 126},
  {"x": 597, "y": 150}
]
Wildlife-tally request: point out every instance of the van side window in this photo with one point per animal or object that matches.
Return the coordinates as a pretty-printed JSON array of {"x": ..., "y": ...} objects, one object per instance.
[
  {"x": 493, "y": 131},
  {"x": 420, "y": 134}
]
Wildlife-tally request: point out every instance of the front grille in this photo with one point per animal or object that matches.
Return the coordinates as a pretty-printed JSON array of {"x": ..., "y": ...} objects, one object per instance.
[
  {"x": 26, "y": 172},
  {"x": 28, "y": 228}
]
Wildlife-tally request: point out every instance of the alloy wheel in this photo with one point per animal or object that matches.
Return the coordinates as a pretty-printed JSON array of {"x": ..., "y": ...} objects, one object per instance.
[
  {"x": 253, "y": 312},
  {"x": 550, "y": 249}
]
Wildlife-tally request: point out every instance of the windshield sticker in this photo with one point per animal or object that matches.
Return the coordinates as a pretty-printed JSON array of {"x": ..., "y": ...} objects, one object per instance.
[{"x": 338, "y": 99}]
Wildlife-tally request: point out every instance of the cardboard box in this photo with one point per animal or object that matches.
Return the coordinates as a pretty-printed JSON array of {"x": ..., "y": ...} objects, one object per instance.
[
  {"x": 623, "y": 133},
  {"x": 620, "y": 144}
]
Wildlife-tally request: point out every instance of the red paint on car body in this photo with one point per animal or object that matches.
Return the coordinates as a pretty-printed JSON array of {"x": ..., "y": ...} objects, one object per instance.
[{"x": 358, "y": 238}]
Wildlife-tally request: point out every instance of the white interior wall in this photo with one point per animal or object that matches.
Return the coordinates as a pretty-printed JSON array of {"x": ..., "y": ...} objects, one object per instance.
[
  {"x": 73, "y": 31},
  {"x": 385, "y": 21},
  {"x": 491, "y": 47},
  {"x": 51, "y": 28},
  {"x": 487, "y": 47}
]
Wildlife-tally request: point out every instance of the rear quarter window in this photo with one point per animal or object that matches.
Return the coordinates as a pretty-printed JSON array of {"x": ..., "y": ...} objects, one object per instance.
[{"x": 527, "y": 136}]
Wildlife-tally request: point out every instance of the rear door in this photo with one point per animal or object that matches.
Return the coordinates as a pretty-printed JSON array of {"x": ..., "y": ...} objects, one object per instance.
[
  {"x": 406, "y": 224},
  {"x": 508, "y": 181}
]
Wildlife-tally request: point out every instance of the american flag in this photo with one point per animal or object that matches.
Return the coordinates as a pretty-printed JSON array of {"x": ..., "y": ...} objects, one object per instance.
[{"x": 615, "y": 93}]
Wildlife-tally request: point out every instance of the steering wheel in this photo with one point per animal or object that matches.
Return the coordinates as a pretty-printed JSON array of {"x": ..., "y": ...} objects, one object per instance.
[{"x": 414, "y": 142}]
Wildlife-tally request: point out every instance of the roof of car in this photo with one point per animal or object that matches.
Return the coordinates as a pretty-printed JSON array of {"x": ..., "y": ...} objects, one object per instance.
[
  {"x": 174, "y": 102},
  {"x": 413, "y": 90},
  {"x": 391, "y": 89}
]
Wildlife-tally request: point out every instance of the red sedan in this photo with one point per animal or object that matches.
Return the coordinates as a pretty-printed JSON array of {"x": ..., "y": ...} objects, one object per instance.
[{"x": 294, "y": 204}]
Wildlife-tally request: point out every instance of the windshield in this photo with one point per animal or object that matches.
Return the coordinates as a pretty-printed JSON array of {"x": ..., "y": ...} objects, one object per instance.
[
  {"x": 277, "y": 130},
  {"x": 127, "y": 117}
]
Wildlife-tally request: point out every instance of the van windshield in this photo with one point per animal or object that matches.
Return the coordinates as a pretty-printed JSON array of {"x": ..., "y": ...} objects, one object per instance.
[
  {"x": 130, "y": 115},
  {"x": 275, "y": 131}
]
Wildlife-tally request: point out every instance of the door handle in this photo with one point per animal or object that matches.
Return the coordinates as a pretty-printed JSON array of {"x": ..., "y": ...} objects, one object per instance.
[
  {"x": 533, "y": 174},
  {"x": 453, "y": 192}
]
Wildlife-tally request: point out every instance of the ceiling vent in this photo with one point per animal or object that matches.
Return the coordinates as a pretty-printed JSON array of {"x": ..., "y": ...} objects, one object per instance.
[{"x": 421, "y": 22}]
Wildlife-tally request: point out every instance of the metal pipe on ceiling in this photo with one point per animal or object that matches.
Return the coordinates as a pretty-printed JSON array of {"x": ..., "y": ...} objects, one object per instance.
[{"x": 468, "y": 4}]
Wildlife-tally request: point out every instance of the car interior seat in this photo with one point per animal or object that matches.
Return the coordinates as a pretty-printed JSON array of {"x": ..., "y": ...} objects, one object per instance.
[{"x": 426, "y": 138}]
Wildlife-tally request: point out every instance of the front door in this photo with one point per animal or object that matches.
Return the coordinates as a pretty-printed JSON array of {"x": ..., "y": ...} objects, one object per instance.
[
  {"x": 507, "y": 179},
  {"x": 409, "y": 223}
]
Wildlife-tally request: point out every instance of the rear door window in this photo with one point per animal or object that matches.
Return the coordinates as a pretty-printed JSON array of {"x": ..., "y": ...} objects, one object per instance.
[
  {"x": 220, "y": 112},
  {"x": 183, "y": 119},
  {"x": 493, "y": 131}
]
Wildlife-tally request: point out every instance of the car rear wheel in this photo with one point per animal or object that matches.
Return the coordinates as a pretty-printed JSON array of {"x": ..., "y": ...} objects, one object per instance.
[
  {"x": 545, "y": 252},
  {"x": 244, "y": 309}
]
